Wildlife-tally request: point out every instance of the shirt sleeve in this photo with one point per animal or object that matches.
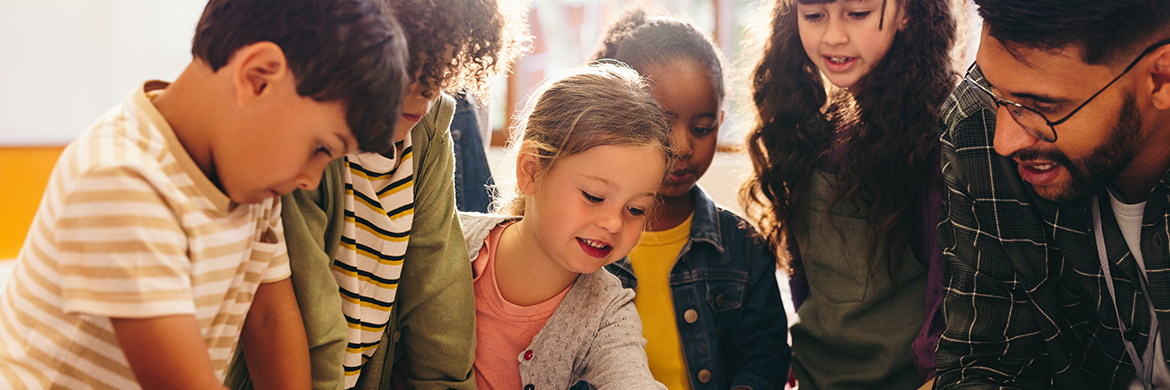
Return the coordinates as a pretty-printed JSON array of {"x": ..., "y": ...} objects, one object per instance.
[
  {"x": 278, "y": 268},
  {"x": 121, "y": 249},
  {"x": 617, "y": 357},
  {"x": 992, "y": 339}
]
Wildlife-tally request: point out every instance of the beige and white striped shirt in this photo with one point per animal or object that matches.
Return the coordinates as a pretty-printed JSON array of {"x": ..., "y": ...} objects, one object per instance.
[{"x": 129, "y": 227}]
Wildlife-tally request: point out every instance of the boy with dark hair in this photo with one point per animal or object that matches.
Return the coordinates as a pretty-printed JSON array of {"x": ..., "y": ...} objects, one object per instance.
[
  {"x": 1057, "y": 210},
  {"x": 159, "y": 243},
  {"x": 379, "y": 267}
]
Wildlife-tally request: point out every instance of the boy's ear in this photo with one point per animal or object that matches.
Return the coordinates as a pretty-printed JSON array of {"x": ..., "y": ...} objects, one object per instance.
[
  {"x": 1160, "y": 76},
  {"x": 256, "y": 68},
  {"x": 527, "y": 167}
]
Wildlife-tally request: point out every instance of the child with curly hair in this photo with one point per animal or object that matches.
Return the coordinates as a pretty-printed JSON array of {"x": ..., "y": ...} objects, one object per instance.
[
  {"x": 848, "y": 175},
  {"x": 589, "y": 152},
  {"x": 375, "y": 250},
  {"x": 705, "y": 280}
]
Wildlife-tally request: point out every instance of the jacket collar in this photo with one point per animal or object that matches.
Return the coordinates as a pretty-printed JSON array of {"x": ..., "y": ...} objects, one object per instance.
[
  {"x": 705, "y": 224},
  {"x": 704, "y": 228}
]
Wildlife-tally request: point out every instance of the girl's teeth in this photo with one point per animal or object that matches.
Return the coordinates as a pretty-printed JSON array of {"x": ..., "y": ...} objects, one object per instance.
[
  {"x": 593, "y": 244},
  {"x": 839, "y": 60}
]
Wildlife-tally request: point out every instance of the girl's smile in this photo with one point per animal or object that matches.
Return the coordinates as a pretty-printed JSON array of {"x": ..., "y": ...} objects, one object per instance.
[{"x": 593, "y": 248}]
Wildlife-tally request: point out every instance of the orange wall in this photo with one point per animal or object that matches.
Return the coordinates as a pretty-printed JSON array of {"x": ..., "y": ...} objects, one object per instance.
[{"x": 24, "y": 171}]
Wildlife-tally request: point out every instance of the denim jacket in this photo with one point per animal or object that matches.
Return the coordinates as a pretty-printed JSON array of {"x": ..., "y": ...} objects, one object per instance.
[{"x": 727, "y": 305}]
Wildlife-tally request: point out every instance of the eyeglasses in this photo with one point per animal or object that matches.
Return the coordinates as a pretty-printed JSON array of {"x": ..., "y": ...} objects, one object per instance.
[{"x": 1033, "y": 121}]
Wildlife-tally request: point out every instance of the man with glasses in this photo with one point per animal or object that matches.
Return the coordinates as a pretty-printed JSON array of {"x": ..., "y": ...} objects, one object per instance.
[{"x": 1056, "y": 214}]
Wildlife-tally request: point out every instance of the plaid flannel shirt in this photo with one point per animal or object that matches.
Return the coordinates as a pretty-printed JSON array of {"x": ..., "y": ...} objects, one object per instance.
[{"x": 1026, "y": 302}]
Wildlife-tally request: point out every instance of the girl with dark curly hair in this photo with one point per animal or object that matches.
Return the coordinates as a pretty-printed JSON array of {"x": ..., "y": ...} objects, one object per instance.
[
  {"x": 694, "y": 249},
  {"x": 846, "y": 180},
  {"x": 379, "y": 271}
]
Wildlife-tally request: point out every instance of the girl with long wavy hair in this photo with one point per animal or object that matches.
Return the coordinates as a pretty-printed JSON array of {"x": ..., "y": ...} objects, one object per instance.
[{"x": 846, "y": 180}]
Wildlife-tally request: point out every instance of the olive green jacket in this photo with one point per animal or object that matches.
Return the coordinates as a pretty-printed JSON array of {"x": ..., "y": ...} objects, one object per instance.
[{"x": 432, "y": 324}]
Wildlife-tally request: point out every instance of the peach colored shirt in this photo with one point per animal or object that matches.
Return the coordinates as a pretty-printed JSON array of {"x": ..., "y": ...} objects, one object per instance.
[{"x": 503, "y": 330}]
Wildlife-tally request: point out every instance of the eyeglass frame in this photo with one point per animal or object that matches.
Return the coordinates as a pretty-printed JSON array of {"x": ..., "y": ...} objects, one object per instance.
[{"x": 1000, "y": 102}]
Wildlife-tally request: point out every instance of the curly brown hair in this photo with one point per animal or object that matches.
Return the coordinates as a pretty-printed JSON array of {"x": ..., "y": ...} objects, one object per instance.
[
  {"x": 480, "y": 37},
  {"x": 888, "y": 126}
]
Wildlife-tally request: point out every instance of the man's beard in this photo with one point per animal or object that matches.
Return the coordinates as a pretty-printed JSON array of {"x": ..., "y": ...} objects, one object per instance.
[{"x": 1093, "y": 172}]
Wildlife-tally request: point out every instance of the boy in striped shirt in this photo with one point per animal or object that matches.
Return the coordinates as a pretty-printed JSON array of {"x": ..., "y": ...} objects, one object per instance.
[{"x": 158, "y": 243}]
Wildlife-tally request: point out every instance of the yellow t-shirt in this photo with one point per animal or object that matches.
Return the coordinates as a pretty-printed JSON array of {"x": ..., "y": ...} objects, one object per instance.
[{"x": 652, "y": 260}]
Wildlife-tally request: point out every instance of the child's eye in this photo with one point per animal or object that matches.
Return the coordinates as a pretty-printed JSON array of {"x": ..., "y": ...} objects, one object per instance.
[
  {"x": 637, "y": 212},
  {"x": 321, "y": 149},
  {"x": 859, "y": 14},
  {"x": 812, "y": 17},
  {"x": 591, "y": 198},
  {"x": 702, "y": 131}
]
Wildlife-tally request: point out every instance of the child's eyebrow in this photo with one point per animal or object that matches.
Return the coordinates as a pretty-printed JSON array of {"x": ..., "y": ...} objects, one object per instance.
[
  {"x": 600, "y": 179},
  {"x": 611, "y": 184},
  {"x": 344, "y": 142}
]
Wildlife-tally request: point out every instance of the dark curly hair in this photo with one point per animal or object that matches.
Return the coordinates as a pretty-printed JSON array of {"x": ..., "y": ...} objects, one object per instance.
[
  {"x": 481, "y": 38},
  {"x": 640, "y": 40},
  {"x": 888, "y": 126},
  {"x": 350, "y": 51}
]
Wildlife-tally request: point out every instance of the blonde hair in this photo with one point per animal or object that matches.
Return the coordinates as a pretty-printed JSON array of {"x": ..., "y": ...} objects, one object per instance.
[{"x": 583, "y": 107}]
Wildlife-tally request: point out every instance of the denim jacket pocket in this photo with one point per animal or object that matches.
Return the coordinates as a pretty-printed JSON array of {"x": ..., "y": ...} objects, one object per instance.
[{"x": 725, "y": 295}]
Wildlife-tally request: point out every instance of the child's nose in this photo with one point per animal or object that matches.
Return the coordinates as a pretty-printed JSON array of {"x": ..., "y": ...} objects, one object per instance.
[
  {"x": 309, "y": 178},
  {"x": 611, "y": 220},
  {"x": 835, "y": 34}
]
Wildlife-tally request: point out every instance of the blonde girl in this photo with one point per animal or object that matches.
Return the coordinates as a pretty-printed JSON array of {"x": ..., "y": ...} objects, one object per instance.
[{"x": 589, "y": 157}]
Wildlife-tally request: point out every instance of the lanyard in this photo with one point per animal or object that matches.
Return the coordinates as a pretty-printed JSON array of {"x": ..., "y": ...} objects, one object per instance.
[{"x": 1145, "y": 365}]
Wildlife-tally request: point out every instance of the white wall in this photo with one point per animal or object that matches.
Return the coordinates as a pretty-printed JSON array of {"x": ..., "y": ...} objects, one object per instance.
[{"x": 64, "y": 63}]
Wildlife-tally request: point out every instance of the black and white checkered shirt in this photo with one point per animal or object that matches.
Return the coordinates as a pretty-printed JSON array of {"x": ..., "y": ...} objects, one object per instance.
[{"x": 1026, "y": 302}]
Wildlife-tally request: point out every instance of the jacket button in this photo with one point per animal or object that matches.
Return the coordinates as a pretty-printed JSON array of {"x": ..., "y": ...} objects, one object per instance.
[
  {"x": 1130, "y": 334},
  {"x": 719, "y": 300},
  {"x": 691, "y": 316},
  {"x": 704, "y": 375},
  {"x": 528, "y": 356},
  {"x": 529, "y": 387}
]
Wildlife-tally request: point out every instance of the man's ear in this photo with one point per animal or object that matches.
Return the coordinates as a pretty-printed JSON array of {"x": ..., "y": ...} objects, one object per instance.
[
  {"x": 256, "y": 68},
  {"x": 1160, "y": 75},
  {"x": 527, "y": 168}
]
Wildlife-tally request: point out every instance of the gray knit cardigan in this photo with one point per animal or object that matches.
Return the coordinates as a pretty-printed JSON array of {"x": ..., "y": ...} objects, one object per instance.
[{"x": 595, "y": 334}]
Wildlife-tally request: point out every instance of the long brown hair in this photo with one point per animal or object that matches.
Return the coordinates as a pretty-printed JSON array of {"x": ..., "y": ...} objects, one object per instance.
[{"x": 888, "y": 126}]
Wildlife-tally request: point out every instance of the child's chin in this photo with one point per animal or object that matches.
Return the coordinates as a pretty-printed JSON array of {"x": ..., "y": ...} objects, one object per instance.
[{"x": 253, "y": 198}]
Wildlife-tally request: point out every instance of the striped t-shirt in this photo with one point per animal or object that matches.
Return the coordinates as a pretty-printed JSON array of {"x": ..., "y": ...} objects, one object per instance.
[
  {"x": 379, "y": 211},
  {"x": 129, "y": 227}
]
